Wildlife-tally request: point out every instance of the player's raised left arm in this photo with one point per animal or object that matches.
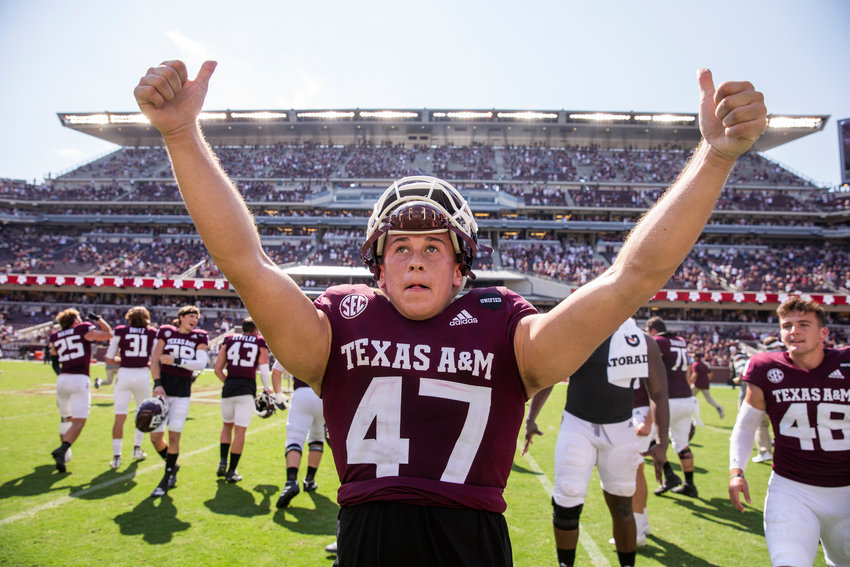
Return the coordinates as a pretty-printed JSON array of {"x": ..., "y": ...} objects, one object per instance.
[
  {"x": 172, "y": 102},
  {"x": 552, "y": 345}
]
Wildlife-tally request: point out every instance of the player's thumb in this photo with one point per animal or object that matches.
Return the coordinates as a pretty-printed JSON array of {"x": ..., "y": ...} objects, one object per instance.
[
  {"x": 206, "y": 72},
  {"x": 706, "y": 89}
]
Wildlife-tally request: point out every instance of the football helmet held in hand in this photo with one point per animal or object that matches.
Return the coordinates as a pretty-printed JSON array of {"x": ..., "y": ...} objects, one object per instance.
[
  {"x": 150, "y": 414},
  {"x": 264, "y": 405}
]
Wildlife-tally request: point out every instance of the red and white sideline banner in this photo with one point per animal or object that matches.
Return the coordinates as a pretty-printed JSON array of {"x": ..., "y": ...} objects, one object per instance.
[
  {"x": 747, "y": 297},
  {"x": 118, "y": 282},
  {"x": 198, "y": 284},
  {"x": 759, "y": 297}
]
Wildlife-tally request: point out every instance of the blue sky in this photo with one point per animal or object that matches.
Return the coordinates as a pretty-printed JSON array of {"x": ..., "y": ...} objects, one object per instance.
[{"x": 87, "y": 56}]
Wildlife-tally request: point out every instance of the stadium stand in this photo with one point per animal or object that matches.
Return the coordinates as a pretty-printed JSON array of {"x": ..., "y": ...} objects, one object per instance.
[{"x": 113, "y": 232}]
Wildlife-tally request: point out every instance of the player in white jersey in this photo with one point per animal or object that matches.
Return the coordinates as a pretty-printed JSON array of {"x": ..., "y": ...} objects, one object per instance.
[{"x": 805, "y": 392}]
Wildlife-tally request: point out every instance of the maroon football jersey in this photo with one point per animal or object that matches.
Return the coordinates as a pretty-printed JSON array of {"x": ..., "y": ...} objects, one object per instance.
[
  {"x": 423, "y": 412},
  {"x": 641, "y": 395},
  {"x": 176, "y": 380},
  {"x": 72, "y": 348},
  {"x": 700, "y": 370},
  {"x": 810, "y": 414},
  {"x": 135, "y": 345},
  {"x": 243, "y": 355},
  {"x": 180, "y": 345},
  {"x": 674, "y": 353}
]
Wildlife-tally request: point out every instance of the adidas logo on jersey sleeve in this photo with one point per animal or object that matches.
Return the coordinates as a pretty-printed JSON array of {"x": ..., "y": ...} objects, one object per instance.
[
  {"x": 463, "y": 318},
  {"x": 836, "y": 374}
]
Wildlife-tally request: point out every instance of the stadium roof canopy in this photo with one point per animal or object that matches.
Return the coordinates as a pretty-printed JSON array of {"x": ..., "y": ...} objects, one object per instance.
[{"x": 556, "y": 128}]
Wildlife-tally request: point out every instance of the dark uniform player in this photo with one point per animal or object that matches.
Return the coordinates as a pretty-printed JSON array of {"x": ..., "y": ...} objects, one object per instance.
[
  {"x": 239, "y": 358},
  {"x": 130, "y": 350},
  {"x": 180, "y": 349},
  {"x": 701, "y": 377},
  {"x": 597, "y": 430},
  {"x": 71, "y": 346},
  {"x": 806, "y": 394},
  {"x": 674, "y": 352}
]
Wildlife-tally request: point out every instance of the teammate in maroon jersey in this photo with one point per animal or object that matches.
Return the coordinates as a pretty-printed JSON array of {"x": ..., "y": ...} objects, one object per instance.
[
  {"x": 239, "y": 358},
  {"x": 179, "y": 350},
  {"x": 423, "y": 389},
  {"x": 130, "y": 351},
  {"x": 71, "y": 346},
  {"x": 701, "y": 378},
  {"x": 805, "y": 392},
  {"x": 674, "y": 352}
]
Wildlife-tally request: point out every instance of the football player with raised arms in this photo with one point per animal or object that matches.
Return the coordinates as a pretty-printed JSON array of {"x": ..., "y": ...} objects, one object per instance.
[
  {"x": 424, "y": 389},
  {"x": 130, "y": 351},
  {"x": 71, "y": 346},
  {"x": 179, "y": 350},
  {"x": 805, "y": 392},
  {"x": 239, "y": 358}
]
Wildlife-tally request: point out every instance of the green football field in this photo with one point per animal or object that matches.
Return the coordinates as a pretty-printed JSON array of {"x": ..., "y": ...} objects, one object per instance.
[{"x": 95, "y": 515}]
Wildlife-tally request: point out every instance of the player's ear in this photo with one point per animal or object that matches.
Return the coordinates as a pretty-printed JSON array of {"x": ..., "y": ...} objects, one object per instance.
[
  {"x": 382, "y": 283},
  {"x": 457, "y": 276}
]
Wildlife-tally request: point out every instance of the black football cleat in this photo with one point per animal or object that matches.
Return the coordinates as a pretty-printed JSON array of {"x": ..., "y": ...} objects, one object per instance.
[
  {"x": 222, "y": 468},
  {"x": 172, "y": 478},
  {"x": 59, "y": 456},
  {"x": 290, "y": 491},
  {"x": 161, "y": 489},
  {"x": 670, "y": 483},
  {"x": 310, "y": 485},
  {"x": 687, "y": 489},
  {"x": 233, "y": 476}
]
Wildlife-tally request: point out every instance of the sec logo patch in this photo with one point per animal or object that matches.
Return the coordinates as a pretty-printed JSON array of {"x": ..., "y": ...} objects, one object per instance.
[
  {"x": 353, "y": 305},
  {"x": 775, "y": 375}
]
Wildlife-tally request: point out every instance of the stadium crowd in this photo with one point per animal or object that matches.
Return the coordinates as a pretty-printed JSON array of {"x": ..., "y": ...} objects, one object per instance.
[{"x": 589, "y": 184}]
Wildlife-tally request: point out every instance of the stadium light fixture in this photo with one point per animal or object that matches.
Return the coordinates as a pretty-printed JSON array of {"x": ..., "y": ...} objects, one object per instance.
[
  {"x": 326, "y": 114},
  {"x": 137, "y": 118},
  {"x": 464, "y": 115},
  {"x": 672, "y": 118},
  {"x": 600, "y": 117},
  {"x": 262, "y": 115},
  {"x": 212, "y": 116},
  {"x": 528, "y": 115},
  {"x": 388, "y": 114},
  {"x": 794, "y": 122},
  {"x": 89, "y": 119}
]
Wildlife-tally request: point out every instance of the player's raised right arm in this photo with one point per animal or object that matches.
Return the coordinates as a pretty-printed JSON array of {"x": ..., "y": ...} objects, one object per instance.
[{"x": 173, "y": 103}]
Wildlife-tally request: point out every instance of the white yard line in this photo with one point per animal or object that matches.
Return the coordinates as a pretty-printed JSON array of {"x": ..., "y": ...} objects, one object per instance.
[
  {"x": 125, "y": 477},
  {"x": 596, "y": 556}
]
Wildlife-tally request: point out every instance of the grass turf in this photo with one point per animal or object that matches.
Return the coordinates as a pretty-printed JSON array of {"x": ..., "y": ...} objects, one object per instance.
[{"x": 96, "y": 515}]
